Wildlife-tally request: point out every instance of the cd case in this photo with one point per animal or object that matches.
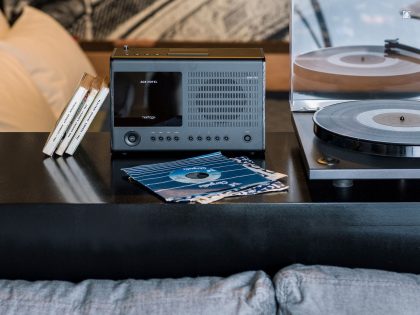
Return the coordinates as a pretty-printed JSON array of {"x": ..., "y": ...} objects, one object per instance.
[{"x": 207, "y": 175}]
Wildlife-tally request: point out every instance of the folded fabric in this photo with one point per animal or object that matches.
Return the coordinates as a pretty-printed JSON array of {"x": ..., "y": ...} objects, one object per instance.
[
  {"x": 313, "y": 290},
  {"x": 245, "y": 293}
]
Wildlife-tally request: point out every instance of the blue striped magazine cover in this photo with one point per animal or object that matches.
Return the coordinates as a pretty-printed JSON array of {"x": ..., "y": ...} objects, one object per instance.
[{"x": 197, "y": 176}]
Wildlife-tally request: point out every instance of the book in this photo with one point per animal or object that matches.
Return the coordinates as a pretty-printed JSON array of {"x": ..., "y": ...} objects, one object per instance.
[
  {"x": 83, "y": 109},
  {"x": 67, "y": 115},
  {"x": 87, "y": 120}
]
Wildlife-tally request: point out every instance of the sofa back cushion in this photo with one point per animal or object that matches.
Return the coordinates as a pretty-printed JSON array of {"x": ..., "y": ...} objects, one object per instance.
[
  {"x": 316, "y": 290},
  {"x": 4, "y": 25},
  {"x": 245, "y": 293},
  {"x": 22, "y": 106},
  {"x": 50, "y": 55}
]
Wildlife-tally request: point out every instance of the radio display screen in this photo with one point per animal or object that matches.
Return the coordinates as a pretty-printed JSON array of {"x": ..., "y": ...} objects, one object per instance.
[{"x": 147, "y": 99}]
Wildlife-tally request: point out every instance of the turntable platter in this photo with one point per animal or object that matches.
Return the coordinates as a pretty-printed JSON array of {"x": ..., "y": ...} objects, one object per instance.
[
  {"x": 379, "y": 127},
  {"x": 355, "y": 69}
]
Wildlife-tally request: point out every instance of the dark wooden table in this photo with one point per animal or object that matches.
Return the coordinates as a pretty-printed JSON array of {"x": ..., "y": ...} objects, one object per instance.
[{"x": 78, "y": 218}]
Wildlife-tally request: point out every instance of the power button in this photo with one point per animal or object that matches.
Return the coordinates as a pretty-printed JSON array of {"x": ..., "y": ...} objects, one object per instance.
[
  {"x": 132, "y": 138},
  {"x": 247, "y": 138}
]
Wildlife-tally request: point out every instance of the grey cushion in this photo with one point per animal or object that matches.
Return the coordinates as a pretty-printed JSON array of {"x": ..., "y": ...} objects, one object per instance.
[
  {"x": 325, "y": 290},
  {"x": 245, "y": 293}
]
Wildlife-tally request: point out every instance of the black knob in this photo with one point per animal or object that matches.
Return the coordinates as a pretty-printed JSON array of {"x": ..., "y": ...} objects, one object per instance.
[
  {"x": 132, "y": 138},
  {"x": 247, "y": 138}
]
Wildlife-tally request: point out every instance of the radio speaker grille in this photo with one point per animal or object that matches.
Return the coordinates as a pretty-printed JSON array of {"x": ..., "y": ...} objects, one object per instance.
[{"x": 224, "y": 99}]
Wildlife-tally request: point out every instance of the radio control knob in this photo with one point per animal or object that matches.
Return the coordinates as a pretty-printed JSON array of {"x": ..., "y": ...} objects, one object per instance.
[
  {"x": 247, "y": 138},
  {"x": 132, "y": 138}
]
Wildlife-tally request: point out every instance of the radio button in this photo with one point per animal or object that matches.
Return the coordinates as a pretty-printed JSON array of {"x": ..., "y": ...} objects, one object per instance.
[
  {"x": 132, "y": 138},
  {"x": 247, "y": 138}
]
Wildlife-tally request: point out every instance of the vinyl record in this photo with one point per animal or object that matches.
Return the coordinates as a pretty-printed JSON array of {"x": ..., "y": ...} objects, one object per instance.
[
  {"x": 381, "y": 127},
  {"x": 356, "y": 69}
]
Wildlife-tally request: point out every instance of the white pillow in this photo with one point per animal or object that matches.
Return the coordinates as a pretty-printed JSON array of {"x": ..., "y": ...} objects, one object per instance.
[
  {"x": 50, "y": 55},
  {"x": 4, "y": 25},
  {"x": 22, "y": 106}
]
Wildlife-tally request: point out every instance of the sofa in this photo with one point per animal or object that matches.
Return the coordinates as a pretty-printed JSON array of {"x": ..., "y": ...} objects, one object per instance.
[{"x": 294, "y": 290}]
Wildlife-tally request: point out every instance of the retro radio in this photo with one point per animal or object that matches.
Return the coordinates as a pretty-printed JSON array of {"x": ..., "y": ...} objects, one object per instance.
[{"x": 187, "y": 99}]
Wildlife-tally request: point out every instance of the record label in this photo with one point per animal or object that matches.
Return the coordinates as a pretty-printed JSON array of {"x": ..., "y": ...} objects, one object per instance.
[
  {"x": 392, "y": 119},
  {"x": 362, "y": 60},
  {"x": 195, "y": 175}
]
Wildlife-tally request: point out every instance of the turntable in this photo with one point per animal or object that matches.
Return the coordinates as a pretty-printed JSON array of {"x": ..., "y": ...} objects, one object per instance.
[{"x": 355, "y": 89}]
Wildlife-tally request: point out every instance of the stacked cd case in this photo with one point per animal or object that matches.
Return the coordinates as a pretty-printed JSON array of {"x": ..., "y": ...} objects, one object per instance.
[{"x": 77, "y": 116}]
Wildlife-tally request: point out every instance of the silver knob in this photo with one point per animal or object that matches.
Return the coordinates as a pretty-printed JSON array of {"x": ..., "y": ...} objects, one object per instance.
[{"x": 125, "y": 47}]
